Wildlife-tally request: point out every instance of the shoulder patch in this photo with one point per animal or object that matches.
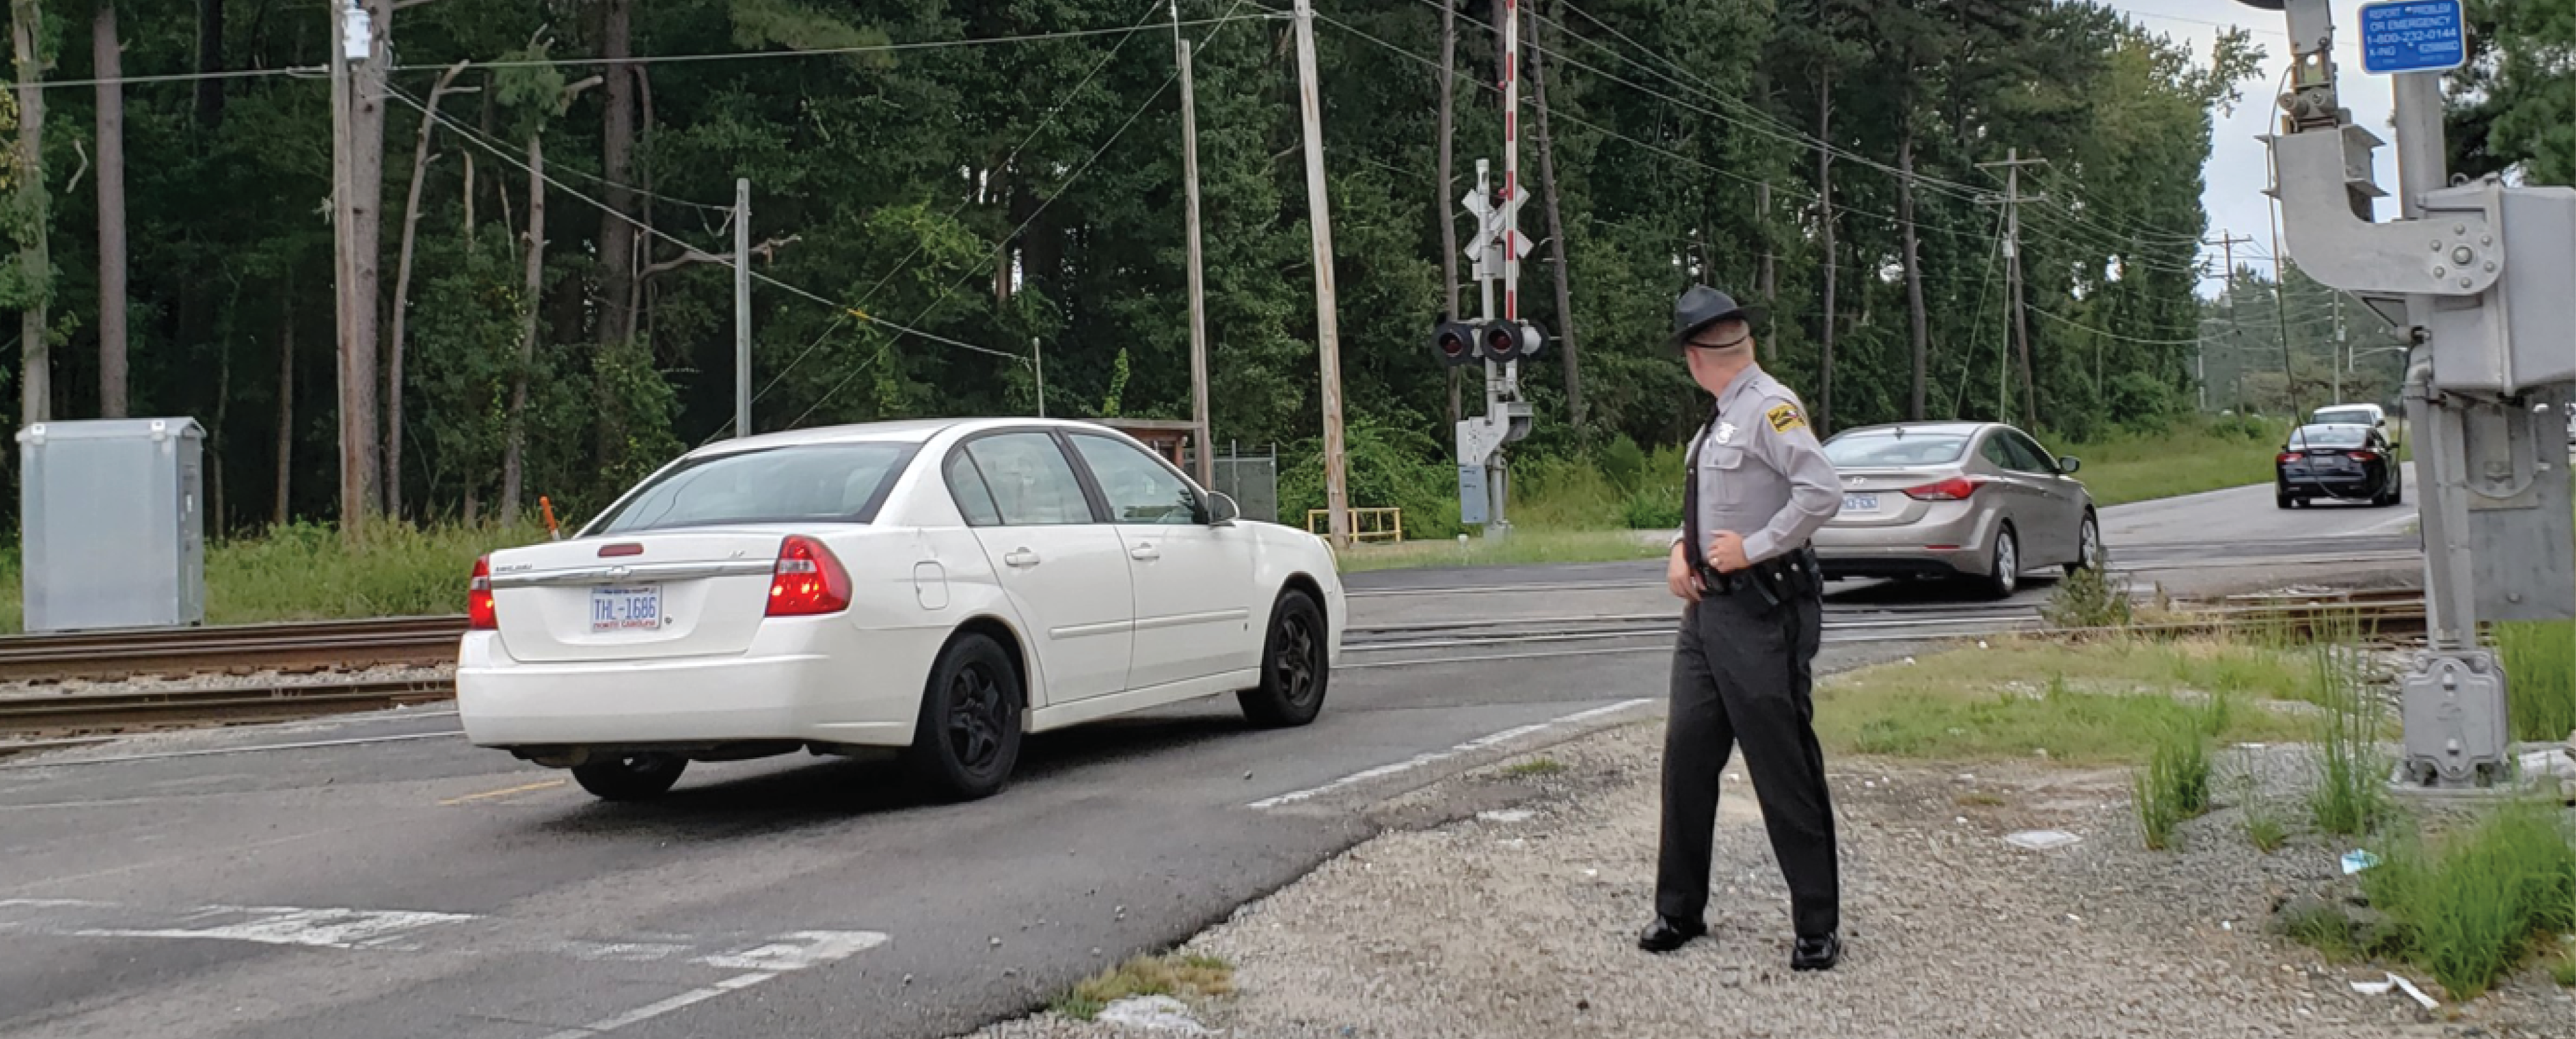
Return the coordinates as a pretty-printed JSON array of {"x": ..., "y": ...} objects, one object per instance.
[{"x": 1785, "y": 418}]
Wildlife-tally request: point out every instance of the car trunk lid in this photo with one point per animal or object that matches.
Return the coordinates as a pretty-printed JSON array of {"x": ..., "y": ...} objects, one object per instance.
[
  {"x": 1877, "y": 498},
  {"x": 651, "y": 595}
]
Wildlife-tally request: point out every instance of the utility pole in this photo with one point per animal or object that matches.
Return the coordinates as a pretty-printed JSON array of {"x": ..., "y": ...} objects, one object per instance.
[
  {"x": 2011, "y": 201},
  {"x": 2281, "y": 314},
  {"x": 1206, "y": 467},
  {"x": 741, "y": 307},
  {"x": 2341, "y": 350},
  {"x": 1037, "y": 365},
  {"x": 2227, "y": 241},
  {"x": 1328, "y": 341},
  {"x": 349, "y": 43}
]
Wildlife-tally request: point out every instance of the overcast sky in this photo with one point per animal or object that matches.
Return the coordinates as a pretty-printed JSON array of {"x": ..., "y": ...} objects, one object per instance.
[{"x": 2238, "y": 165}]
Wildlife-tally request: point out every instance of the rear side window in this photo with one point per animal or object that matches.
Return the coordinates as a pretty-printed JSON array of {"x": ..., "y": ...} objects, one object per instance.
[
  {"x": 812, "y": 483},
  {"x": 1031, "y": 482}
]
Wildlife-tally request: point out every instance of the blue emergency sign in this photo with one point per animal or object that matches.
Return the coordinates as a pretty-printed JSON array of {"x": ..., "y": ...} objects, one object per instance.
[{"x": 2413, "y": 36}]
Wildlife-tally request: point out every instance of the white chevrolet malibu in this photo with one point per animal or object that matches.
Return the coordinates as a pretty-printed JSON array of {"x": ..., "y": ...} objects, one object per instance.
[{"x": 940, "y": 588}]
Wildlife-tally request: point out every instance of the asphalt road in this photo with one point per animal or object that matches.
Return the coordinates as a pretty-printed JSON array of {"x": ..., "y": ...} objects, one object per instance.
[
  {"x": 375, "y": 876},
  {"x": 2248, "y": 515}
]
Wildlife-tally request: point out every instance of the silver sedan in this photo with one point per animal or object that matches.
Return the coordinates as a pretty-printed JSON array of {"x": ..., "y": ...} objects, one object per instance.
[{"x": 1955, "y": 499}]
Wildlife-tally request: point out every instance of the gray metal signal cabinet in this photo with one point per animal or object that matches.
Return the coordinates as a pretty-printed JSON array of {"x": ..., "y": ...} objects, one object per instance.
[{"x": 112, "y": 523}]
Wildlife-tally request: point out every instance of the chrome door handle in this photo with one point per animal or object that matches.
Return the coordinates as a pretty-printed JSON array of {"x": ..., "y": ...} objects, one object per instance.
[
  {"x": 1145, "y": 553},
  {"x": 1021, "y": 558}
]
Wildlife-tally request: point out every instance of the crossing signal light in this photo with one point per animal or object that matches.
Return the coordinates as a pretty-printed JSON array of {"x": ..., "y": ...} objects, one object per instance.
[
  {"x": 1455, "y": 342},
  {"x": 1509, "y": 340}
]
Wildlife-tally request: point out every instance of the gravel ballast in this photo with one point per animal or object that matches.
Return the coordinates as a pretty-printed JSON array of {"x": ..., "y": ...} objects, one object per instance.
[{"x": 1511, "y": 926}]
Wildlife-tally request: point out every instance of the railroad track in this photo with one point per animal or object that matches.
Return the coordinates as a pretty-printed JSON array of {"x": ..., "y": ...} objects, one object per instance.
[
  {"x": 303, "y": 644},
  {"x": 49, "y": 722}
]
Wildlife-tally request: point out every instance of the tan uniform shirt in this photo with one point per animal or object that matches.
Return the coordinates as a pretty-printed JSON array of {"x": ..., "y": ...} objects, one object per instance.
[{"x": 1761, "y": 472}]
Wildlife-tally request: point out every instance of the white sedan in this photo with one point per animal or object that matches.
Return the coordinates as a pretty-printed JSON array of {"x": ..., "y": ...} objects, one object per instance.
[{"x": 937, "y": 587}]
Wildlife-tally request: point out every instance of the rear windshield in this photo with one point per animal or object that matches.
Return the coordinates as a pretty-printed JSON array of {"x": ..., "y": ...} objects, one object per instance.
[
  {"x": 1885, "y": 448},
  {"x": 815, "y": 483},
  {"x": 2330, "y": 436},
  {"x": 2348, "y": 416}
]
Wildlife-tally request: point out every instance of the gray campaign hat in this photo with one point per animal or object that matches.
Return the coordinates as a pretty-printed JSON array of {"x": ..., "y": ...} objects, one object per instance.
[{"x": 1702, "y": 306}]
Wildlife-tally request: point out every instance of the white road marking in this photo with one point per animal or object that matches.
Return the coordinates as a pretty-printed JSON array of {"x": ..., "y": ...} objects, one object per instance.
[
  {"x": 799, "y": 950},
  {"x": 622, "y": 952},
  {"x": 650, "y": 1011},
  {"x": 286, "y": 925},
  {"x": 1432, "y": 756}
]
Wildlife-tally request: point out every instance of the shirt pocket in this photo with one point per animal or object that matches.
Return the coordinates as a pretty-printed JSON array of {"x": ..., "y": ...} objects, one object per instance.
[{"x": 1723, "y": 457}]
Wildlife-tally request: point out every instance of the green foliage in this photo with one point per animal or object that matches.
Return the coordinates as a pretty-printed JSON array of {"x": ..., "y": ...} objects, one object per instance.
[
  {"x": 2469, "y": 909},
  {"x": 2174, "y": 785},
  {"x": 1183, "y": 976},
  {"x": 2541, "y": 659},
  {"x": 914, "y": 181}
]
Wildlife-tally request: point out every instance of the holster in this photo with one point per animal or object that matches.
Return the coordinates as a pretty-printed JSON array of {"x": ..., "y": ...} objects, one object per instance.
[{"x": 1776, "y": 582}]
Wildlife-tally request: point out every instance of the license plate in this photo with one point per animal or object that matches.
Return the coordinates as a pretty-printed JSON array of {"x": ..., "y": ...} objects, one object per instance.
[
  {"x": 1860, "y": 503},
  {"x": 626, "y": 609}
]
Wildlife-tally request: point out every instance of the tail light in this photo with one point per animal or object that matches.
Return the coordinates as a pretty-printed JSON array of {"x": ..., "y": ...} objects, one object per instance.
[
  {"x": 2288, "y": 456},
  {"x": 2365, "y": 456},
  {"x": 807, "y": 581},
  {"x": 480, "y": 615},
  {"x": 1956, "y": 488}
]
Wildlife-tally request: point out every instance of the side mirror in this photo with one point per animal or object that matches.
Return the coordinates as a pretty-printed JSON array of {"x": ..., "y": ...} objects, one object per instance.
[
  {"x": 1221, "y": 510},
  {"x": 2068, "y": 464}
]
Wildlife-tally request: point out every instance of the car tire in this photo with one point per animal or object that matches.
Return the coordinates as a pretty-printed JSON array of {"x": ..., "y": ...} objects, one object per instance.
[
  {"x": 967, "y": 740},
  {"x": 630, "y": 777},
  {"x": 2088, "y": 546},
  {"x": 1296, "y": 665},
  {"x": 2003, "y": 574},
  {"x": 2282, "y": 500}
]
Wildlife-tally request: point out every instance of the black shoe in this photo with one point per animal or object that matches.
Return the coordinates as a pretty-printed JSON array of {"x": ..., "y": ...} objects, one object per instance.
[
  {"x": 1667, "y": 934},
  {"x": 1817, "y": 953}
]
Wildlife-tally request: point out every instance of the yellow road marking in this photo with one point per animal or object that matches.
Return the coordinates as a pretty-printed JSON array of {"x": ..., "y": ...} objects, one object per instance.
[{"x": 490, "y": 794}]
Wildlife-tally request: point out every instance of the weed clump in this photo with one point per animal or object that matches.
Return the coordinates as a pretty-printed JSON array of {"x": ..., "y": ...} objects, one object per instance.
[
  {"x": 1186, "y": 976},
  {"x": 2471, "y": 909},
  {"x": 2089, "y": 598}
]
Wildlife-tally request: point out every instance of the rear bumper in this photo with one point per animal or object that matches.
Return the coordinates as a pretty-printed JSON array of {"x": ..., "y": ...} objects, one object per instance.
[
  {"x": 785, "y": 688},
  {"x": 2327, "y": 487},
  {"x": 1952, "y": 542}
]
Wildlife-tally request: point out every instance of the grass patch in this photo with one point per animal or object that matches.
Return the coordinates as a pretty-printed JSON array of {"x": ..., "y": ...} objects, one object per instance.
[
  {"x": 306, "y": 572},
  {"x": 2540, "y": 659},
  {"x": 1973, "y": 704},
  {"x": 1535, "y": 768},
  {"x": 2326, "y": 929},
  {"x": 1980, "y": 799},
  {"x": 2472, "y": 908},
  {"x": 2265, "y": 831},
  {"x": 1522, "y": 547},
  {"x": 2563, "y": 969},
  {"x": 2351, "y": 794},
  {"x": 2174, "y": 784},
  {"x": 2194, "y": 456},
  {"x": 1185, "y": 977}
]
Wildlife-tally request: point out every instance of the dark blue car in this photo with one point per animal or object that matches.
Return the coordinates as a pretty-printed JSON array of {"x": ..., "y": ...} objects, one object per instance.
[{"x": 2338, "y": 461}]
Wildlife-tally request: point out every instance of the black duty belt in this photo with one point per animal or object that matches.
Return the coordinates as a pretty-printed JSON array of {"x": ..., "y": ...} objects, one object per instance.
[{"x": 1775, "y": 581}]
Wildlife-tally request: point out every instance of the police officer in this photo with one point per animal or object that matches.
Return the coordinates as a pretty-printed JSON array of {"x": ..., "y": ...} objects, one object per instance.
[{"x": 1759, "y": 486}]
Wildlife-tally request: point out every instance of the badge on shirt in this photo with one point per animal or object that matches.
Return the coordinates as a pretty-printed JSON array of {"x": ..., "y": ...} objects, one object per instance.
[
  {"x": 1725, "y": 433},
  {"x": 1785, "y": 418}
]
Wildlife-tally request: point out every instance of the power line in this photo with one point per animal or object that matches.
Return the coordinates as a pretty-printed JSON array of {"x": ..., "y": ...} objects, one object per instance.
[
  {"x": 2072, "y": 323},
  {"x": 656, "y": 232},
  {"x": 317, "y": 71},
  {"x": 1043, "y": 122}
]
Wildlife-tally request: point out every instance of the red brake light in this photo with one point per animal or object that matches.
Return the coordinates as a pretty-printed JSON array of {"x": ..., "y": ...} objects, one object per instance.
[
  {"x": 1956, "y": 488},
  {"x": 480, "y": 614},
  {"x": 807, "y": 580},
  {"x": 2365, "y": 456},
  {"x": 2288, "y": 456}
]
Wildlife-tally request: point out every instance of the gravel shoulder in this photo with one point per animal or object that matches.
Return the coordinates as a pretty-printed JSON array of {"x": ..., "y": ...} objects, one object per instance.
[{"x": 1523, "y": 926}]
